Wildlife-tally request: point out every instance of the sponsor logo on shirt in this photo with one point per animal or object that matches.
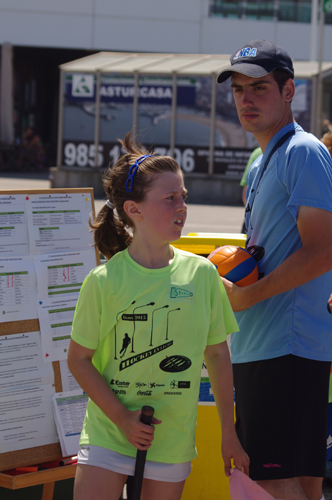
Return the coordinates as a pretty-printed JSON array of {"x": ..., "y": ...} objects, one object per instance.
[
  {"x": 120, "y": 383},
  {"x": 119, "y": 391},
  {"x": 180, "y": 384},
  {"x": 177, "y": 292},
  {"x": 144, "y": 393}
]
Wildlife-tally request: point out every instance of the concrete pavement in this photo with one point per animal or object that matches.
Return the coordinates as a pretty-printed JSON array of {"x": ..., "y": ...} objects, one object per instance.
[{"x": 200, "y": 219}]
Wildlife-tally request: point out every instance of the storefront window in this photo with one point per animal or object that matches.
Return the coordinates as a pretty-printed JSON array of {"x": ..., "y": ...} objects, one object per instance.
[{"x": 282, "y": 10}]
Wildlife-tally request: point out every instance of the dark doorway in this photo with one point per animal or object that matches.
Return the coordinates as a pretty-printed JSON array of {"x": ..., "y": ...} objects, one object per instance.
[{"x": 36, "y": 92}]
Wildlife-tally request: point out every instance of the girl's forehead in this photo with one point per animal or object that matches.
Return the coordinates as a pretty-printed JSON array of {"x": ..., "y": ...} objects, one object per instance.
[{"x": 168, "y": 180}]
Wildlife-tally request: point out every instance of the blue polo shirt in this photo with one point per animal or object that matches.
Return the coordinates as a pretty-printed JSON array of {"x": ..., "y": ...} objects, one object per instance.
[{"x": 295, "y": 322}]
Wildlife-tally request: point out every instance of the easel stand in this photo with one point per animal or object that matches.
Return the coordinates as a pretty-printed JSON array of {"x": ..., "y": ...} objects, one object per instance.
[
  {"x": 45, "y": 477},
  {"x": 48, "y": 455}
]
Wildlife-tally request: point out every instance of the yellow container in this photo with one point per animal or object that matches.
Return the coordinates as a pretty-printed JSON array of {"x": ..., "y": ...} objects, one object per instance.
[
  {"x": 207, "y": 480},
  {"x": 205, "y": 243}
]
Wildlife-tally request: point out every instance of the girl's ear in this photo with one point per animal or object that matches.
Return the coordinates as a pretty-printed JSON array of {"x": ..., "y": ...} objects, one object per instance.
[{"x": 132, "y": 210}]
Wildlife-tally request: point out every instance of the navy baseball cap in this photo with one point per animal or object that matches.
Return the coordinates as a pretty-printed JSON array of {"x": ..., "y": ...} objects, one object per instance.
[{"x": 256, "y": 59}]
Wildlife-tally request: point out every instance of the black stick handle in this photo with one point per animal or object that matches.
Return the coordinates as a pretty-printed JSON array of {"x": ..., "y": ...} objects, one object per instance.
[{"x": 146, "y": 418}]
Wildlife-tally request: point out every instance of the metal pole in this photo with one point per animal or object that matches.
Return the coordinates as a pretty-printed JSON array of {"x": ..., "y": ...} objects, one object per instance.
[
  {"x": 6, "y": 94},
  {"x": 212, "y": 122},
  {"x": 135, "y": 105},
  {"x": 313, "y": 117},
  {"x": 173, "y": 117},
  {"x": 313, "y": 41},
  {"x": 60, "y": 120},
  {"x": 320, "y": 79},
  {"x": 97, "y": 118}
]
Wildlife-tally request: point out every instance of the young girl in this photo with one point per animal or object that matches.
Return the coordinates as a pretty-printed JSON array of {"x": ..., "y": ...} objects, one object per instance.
[{"x": 143, "y": 322}]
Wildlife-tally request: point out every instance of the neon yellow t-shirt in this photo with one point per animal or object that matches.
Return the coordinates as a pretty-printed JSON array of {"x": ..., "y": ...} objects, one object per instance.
[
  {"x": 254, "y": 155},
  {"x": 149, "y": 329}
]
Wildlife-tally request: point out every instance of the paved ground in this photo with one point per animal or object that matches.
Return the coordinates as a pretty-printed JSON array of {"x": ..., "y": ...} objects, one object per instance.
[{"x": 201, "y": 218}]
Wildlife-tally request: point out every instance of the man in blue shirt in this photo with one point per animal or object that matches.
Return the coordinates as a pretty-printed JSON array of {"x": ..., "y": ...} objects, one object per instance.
[{"x": 281, "y": 356}]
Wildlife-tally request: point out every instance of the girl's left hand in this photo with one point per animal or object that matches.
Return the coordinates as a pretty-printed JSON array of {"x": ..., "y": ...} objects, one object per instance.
[{"x": 232, "y": 450}]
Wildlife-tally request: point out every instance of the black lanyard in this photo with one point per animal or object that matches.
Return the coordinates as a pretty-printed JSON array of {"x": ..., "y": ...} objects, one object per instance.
[{"x": 274, "y": 149}]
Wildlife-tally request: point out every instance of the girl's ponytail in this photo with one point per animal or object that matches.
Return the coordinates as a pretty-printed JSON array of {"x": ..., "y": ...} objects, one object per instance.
[{"x": 110, "y": 234}]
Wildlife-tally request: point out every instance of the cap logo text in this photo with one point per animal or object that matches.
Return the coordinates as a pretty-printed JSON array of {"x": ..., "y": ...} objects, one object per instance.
[{"x": 246, "y": 52}]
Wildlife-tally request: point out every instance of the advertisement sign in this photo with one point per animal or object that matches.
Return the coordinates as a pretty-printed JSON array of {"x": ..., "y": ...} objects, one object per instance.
[
  {"x": 228, "y": 162},
  {"x": 327, "y": 6},
  {"x": 121, "y": 89},
  {"x": 232, "y": 144}
]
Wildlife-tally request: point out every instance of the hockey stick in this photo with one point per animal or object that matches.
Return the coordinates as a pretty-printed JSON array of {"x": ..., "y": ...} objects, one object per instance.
[{"x": 146, "y": 418}]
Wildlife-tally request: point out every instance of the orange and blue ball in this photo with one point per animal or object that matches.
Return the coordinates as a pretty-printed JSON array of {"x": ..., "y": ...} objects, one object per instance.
[{"x": 235, "y": 264}]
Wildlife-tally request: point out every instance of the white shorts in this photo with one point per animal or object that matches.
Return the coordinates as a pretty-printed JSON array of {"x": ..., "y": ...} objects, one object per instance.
[{"x": 123, "y": 464}]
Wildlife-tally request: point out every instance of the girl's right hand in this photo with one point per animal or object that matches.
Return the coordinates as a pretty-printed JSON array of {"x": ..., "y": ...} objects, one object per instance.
[{"x": 138, "y": 434}]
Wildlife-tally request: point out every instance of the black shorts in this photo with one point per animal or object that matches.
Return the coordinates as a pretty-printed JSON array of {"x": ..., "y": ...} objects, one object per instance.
[{"x": 281, "y": 416}]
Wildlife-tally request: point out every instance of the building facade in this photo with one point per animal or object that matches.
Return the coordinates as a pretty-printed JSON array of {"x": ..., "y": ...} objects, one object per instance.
[{"x": 40, "y": 35}]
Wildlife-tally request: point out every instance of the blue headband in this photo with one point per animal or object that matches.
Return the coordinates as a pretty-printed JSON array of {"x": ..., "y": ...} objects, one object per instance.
[{"x": 132, "y": 171}]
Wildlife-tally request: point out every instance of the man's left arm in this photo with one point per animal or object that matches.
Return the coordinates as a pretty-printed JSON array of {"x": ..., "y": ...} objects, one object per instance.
[{"x": 313, "y": 259}]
